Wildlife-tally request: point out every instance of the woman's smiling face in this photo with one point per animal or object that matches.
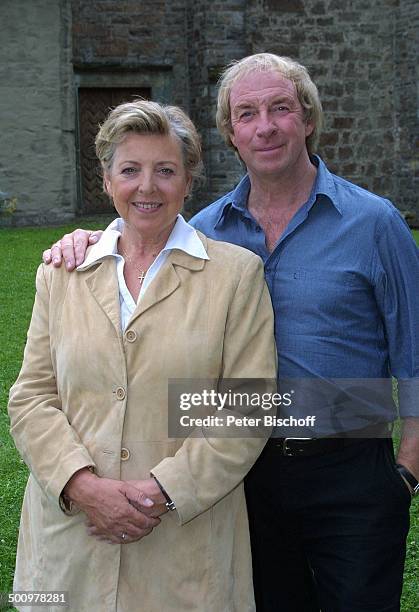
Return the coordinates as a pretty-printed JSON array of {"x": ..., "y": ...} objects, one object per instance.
[{"x": 148, "y": 182}]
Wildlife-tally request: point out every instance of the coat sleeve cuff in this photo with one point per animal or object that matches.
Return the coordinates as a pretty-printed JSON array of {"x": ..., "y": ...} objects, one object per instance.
[
  {"x": 180, "y": 489},
  {"x": 189, "y": 476},
  {"x": 57, "y": 483}
]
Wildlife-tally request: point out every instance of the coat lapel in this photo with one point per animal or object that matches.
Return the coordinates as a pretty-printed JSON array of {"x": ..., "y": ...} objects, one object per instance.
[
  {"x": 168, "y": 280},
  {"x": 102, "y": 282}
]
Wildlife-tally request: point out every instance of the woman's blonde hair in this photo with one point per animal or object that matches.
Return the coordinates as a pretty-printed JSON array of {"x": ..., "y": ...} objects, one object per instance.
[
  {"x": 307, "y": 92},
  {"x": 146, "y": 117}
]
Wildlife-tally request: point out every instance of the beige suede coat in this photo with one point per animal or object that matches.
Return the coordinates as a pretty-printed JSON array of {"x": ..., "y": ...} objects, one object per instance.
[{"x": 86, "y": 391}]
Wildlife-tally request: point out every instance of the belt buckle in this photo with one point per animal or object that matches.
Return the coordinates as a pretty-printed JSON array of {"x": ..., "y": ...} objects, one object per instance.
[{"x": 287, "y": 451}]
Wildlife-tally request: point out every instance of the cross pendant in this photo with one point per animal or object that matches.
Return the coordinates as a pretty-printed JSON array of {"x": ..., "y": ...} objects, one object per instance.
[{"x": 142, "y": 276}]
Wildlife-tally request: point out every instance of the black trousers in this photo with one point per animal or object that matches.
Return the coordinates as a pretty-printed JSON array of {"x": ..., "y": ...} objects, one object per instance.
[{"x": 328, "y": 532}]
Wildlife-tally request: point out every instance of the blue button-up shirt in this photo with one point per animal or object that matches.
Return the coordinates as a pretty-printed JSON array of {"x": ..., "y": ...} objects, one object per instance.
[{"x": 344, "y": 280}]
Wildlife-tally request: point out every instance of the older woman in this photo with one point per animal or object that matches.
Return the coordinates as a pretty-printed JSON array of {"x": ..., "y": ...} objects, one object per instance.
[{"x": 155, "y": 300}]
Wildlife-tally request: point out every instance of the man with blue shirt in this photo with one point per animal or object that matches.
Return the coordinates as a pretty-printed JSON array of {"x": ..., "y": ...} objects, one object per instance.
[{"x": 328, "y": 512}]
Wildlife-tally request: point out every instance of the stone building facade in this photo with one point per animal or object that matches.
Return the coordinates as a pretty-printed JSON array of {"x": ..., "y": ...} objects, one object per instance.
[{"x": 64, "y": 62}]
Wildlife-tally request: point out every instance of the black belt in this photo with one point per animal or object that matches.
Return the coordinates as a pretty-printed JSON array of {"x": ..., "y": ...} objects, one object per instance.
[{"x": 307, "y": 447}]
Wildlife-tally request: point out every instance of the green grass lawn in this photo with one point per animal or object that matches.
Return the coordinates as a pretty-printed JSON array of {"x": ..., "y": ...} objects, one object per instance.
[{"x": 20, "y": 251}]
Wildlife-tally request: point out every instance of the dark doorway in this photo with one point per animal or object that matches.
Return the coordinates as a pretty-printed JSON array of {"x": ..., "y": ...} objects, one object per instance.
[{"x": 94, "y": 105}]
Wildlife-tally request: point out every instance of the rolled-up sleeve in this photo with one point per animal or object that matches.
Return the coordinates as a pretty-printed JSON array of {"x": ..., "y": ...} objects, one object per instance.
[{"x": 396, "y": 270}]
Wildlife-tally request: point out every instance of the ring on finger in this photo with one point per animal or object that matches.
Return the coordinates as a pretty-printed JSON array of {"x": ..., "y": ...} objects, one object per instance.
[{"x": 123, "y": 536}]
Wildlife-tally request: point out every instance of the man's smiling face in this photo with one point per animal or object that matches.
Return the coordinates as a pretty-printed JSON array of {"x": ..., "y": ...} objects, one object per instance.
[{"x": 269, "y": 128}]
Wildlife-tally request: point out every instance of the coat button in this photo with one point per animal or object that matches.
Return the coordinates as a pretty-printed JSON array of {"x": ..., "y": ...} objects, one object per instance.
[
  {"x": 131, "y": 335},
  {"x": 120, "y": 393},
  {"x": 125, "y": 454}
]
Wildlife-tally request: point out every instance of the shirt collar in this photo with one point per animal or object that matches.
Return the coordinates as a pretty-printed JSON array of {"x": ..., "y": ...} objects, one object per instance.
[
  {"x": 236, "y": 199},
  {"x": 183, "y": 237},
  {"x": 324, "y": 185}
]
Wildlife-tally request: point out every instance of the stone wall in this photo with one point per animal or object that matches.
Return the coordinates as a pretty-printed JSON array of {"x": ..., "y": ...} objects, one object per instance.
[
  {"x": 363, "y": 58},
  {"x": 143, "y": 40},
  {"x": 216, "y": 33},
  {"x": 347, "y": 47},
  {"x": 37, "y": 158},
  {"x": 362, "y": 55},
  {"x": 406, "y": 100},
  {"x": 350, "y": 48}
]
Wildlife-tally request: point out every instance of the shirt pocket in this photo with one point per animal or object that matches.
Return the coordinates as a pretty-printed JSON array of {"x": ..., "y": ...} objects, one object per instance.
[{"x": 329, "y": 291}]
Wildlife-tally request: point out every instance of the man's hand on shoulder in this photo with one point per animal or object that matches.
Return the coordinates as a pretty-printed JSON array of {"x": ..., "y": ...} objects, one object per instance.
[{"x": 71, "y": 248}]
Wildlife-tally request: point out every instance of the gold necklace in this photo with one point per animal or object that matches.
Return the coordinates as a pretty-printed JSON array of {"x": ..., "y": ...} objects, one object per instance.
[{"x": 142, "y": 272}]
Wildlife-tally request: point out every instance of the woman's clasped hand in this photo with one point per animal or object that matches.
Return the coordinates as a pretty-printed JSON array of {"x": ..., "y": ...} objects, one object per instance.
[{"x": 115, "y": 507}]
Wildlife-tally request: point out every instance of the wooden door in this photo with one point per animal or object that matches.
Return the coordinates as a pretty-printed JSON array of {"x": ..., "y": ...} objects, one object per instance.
[{"x": 94, "y": 106}]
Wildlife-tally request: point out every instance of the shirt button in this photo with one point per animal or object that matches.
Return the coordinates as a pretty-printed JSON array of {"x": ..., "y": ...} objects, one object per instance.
[
  {"x": 120, "y": 393},
  {"x": 131, "y": 335},
  {"x": 125, "y": 454}
]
